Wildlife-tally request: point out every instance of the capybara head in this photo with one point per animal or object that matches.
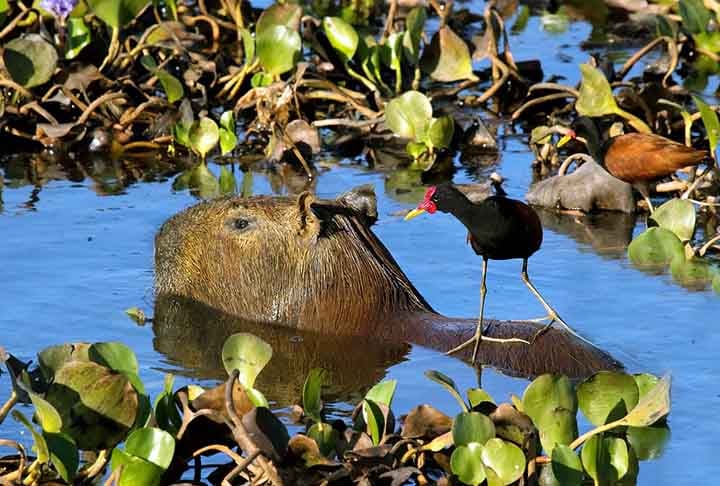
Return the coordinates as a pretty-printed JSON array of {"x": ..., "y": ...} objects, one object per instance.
[{"x": 301, "y": 262}]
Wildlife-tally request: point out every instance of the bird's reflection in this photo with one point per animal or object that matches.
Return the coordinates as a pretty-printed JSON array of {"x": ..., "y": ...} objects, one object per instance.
[{"x": 191, "y": 335}]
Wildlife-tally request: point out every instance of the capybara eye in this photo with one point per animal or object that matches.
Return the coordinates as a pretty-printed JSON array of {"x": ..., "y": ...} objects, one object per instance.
[{"x": 241, "y": 224}]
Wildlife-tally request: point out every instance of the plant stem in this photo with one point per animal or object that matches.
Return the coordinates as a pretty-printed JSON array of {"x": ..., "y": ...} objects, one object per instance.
[
  {"x": 598, "y": 430},
  {"x": 7, "y": 406},
  {"x": 634, "y": 121},
  {"x": 112, "y": 49},
  {"x": 369, "y": 84}
]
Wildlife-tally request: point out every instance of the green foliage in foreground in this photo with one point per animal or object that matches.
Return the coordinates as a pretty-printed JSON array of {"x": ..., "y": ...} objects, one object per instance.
[{"x": 89, "y": 397}]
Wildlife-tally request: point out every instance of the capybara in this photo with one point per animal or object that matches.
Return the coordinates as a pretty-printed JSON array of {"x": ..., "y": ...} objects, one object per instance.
[{"x": 316, "y": 266}]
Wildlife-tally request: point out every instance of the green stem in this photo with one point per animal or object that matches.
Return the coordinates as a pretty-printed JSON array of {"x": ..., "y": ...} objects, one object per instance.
[
  {"x": 398, "y": 80},
  {"x": 634, "y": 121},
  {"x": 369, "y": 84},
  {"x": 598, "y": 430}
]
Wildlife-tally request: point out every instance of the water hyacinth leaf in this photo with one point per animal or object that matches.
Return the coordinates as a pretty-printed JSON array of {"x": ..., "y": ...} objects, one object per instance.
[
  {"x": 678, "y": 216},
  {"x": 648, "y": 442},
  {"x": 374, "y": 419},
  {"x": 52, "y": 358},
  {"x": 655, "y": 247},
  {"x": 228, "y": 139},
  {"x": 440, "y": 132},
  {"x": 695, "y": 16},
  {"x": 261, "y": 79},
  {"x": 695, "y": 273},
  {"x": 652, "y": 407},
  {"x": 449, "y": 385},
  {"x": 40, "y": 446},
  {"x": 414, "y": 26},
  {"x": 409, "y": 115},
  {"x": 645, "y": 383},
  {"x": 557, "y": 426},
  {"x": 618, "y": 454},
  {"x": 227, "y": 121},
  {"x": 710, "y": 120},
  {"x": 505, "y": 459},
  {"x": 466, "y": 463},
  {"x": 48, "y": 418},
  {"x": 153, "y": 445},
  {"x": 285, "y": 14},
  {"x": 278, "y": 48},
  {"x": 416, "y": 149},
  {"x": 171, "y": 85},
  {"x": 135, "y": 469},
  {"x": 342, "y": 37},
  {"x": 476, "y": 396},
  {"x": 391, "y": 51},
  {"x": 64, "y": 455},
  {"x": 114, "y": 355},
  {"x": 472, "y": 427},
  {"x": 30, "y": 60},
  {"x": 226, "y": 181},
  {"x": 203, "y": 136},
  {"x": 447, "y": 58},
  {"x": 325, "y": 436},
  {"x": 566, "y": 466},
  {"x": 607, "y": 396},
  {"x": 137, "y": 315},
  {"x": 546, "y": 393},
  {"x": 78, "y": 37},
  {"x": 117, "y": 13},
  {"x": 248, "y": 45},
  {"x": 248, "y": 354},
  {"x": 595, "y": 98},
  {"x": 166, "y": 413},
  {"x": 311, "y": 399},
  {"x": 382, "y": 392}
]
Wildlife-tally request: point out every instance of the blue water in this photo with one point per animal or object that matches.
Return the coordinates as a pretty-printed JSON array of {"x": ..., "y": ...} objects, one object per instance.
[{"x": 73, "y": 261}]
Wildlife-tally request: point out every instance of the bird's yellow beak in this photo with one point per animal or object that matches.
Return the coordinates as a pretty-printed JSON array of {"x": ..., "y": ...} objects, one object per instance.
[
  {"x": 414, "y": 213},
  {"x": 565, "y": 139}
]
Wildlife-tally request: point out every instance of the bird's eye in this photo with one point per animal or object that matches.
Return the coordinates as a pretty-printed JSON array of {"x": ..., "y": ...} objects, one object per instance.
[{"x": 241, "y": 224}]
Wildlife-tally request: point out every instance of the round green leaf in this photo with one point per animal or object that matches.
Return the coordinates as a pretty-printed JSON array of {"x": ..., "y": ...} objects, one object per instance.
[
  {"x": 678, "y": 216},
  {"x": 115, "y": 356},
  {"x": 505, "y": 459},
  {"x": 342, "y": 36},
  {"x": 440, "y": 132},
  {"x": 153, "y": 445},
  {"x": 391, "y": 52},
  {"x": 325, "y": 436},
  {"x": 203, "y": 136},
  {"x": 382, "y": 392},
  {"x": 278, "y": 48},
  {"x": 645, "y": 383},
  {"x": 52, "y": 358},
  {"x": 566, "y": 466},
  {"x": 596, "y": 98},
  {"x": 63, "y": 455},
  {"x": 693, "y": 273},
  {"x": 653, "y": 406},
  {"x": 409, "y": 115},
  {"x": 117, "y": 13},
  {"x": 171, "y": 85},
  {"x": 709, "y": 117},
  {"x": 648, "y": 442},
  {"x": 287, "y": 14},
  {"x": 248, "y": 354},
  {"x": 261, "y": 79},
  {"x": 48, "y": 418},
  {"x": 607, "y": 396},
  {"x": 40, "y": 445},
  {"x": 135, "y": 470},
  {"x": 606, "y": 459},
  {"x": 30, "y": 60},
  {"x": 472, "y": 427},
  {"x": 546, "y": 393},
  {"x": 618, "y": 452},
  {"x": 257, "y": 398},
  {"x": 557, "y": 426},
  {"x": 466, "y": 464},
  {"x": 78, "y": 37},
  {"x": 414, "y": 25},
  {"x": 655, "y": 247},
  {"x": 447, "y": 58},
  {"x": 476, "y": 396}
]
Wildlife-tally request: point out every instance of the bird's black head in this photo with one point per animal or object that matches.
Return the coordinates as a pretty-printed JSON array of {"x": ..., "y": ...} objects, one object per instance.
[
  {"x": 444, "y": 197},
  {"x": 585, "y": 130}
]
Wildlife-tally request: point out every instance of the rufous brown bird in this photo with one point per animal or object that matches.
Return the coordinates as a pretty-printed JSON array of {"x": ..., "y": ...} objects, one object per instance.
[
  {"x": 635, "y": 158},
  {"x": 499, "y": 228}
]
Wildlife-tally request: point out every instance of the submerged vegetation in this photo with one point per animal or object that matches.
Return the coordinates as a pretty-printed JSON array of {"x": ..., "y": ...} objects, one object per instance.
[{"x": 89, "y": 402}]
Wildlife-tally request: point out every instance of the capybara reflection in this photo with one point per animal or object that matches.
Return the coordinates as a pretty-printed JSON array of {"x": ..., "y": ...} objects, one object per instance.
[{"x": 315, "y": 265}]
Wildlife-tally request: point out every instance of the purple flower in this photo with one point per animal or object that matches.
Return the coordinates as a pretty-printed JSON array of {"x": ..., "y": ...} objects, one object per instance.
[{"x": 60, "y": 8}]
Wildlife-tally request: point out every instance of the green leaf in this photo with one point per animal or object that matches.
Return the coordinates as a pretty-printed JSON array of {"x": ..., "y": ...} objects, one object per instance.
[
  {"x": 114, "y": 355},
  {"x": 607, "y": 396},
  {"x": 78, "y": 37},
  {"x": 228, "y": 142},
  {"x": 472, "y": 427},
  {"x": 278, "y": 48},
  {"x": 342, "y": 37},
  {"x": 695, "y": 17},
  {"x": 30, "y": 60},
  {"x": 414, "y": 26},
  {"x": 285, "y": 14},
  {"x": 261, "y": 79},
  {"x": 248, "y": 354},
  {"x": 409, "y": 115},
  {"x": 466, "y": 464},
  {"x": 476, "y": 396},
  {"x": 171, "y": 85},
  {"x": 645, "y": 382},
  {"x": 566, "y": 466},
  {"x": 248, "y": 45},
  {"x": 325, "y": 436},
  {"x": 678, "y": 216},
  {"x": 449, "y": 385},
  {"x": 311, "y": 399},
  {"x": 440, "y": 132},
  {"x": 557, "y": 426},
  {"x": 52, "y": 358},
  {"x": 546, "y": 393},
  {"x": 117, "y": 13},
  {"x": 40, "y": 446},
  {"x": 648, "y": 442},
  {"x": 596, "y": 98},
  {"x": 257, "y": 398},
  {"x": 505, "y": 459},
  {"x": 202, "y": 182},
  {"x": 48, "y": 418},
  {"x": 382, "y": 392},
  {"x": 137, "y": 315},
  {"x": 153, "y": 445},
  {"x": 694, "y": 272},
  {"x": 64, "y": 455},
  {"x": 653, "y": 406},
  {"x": 4, "y": 9},
  {"x": 416, "y": 149},
  {"x": 447, "y": 58},
  {"x": 711, "y": 122},
  {"x": 166, "y": 413},
  {"x": 374, "y": 419},
  {"x": 135, "y": 470},
  {"x": 391, "y": 51},
  {"x": 655, "y": 247},
  {"x": 203, "y": 136},
  {"x": 227, "y": 182}
]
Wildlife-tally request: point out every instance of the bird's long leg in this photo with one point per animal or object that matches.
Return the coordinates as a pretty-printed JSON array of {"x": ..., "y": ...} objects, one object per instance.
[
  {"x": 644, "y": 190},
  {"x": 478, "y": 337},
  {"x": 552, "y": 314}
]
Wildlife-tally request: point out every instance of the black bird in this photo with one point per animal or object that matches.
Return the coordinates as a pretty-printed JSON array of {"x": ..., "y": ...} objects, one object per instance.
[{"x": 499, "y": 228}]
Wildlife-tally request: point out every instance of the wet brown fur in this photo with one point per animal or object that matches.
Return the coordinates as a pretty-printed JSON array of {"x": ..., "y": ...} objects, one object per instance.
[
  {"x": 315, "y": 266},
  {"x": 639, "y": 157}
]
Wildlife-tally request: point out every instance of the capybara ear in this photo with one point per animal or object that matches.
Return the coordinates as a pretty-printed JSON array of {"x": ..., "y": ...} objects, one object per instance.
[{"x": 309, "y": 223}]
